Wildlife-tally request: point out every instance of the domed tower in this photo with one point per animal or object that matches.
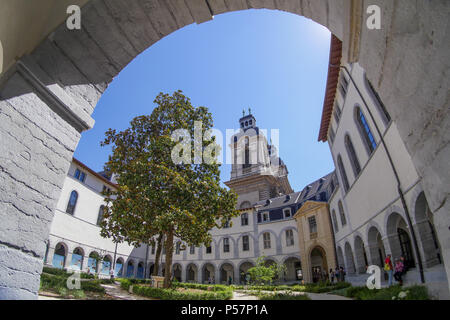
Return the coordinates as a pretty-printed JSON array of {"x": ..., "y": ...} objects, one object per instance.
[{"x": 257, "y": 173}]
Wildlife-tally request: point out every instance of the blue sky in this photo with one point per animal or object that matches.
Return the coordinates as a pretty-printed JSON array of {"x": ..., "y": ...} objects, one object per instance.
[{"x": 274, "y": 62}]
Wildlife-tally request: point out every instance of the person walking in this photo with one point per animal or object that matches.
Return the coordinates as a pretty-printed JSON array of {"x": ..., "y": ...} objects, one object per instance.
[
  {"x": 336, "y": 272},
  {"x": 332, "y": 275},
  {"x": 399, "y": 271},
  {"x": 342, "y": 274},
  {"x": 388, "y": 268}
]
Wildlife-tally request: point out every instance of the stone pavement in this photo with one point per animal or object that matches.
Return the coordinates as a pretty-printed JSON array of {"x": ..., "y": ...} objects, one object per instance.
[{"x": 115, "y": 291}]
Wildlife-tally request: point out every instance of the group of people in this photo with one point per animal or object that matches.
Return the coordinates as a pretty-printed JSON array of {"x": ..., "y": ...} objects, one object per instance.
[
  {"x": 336, "y": 275},
  {"x": 396, "y": 271}
]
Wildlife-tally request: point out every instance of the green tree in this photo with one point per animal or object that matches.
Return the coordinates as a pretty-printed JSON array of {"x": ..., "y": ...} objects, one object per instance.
[
  {"x": 265, "y": 274},
  {"x": 156, "y": 195}
]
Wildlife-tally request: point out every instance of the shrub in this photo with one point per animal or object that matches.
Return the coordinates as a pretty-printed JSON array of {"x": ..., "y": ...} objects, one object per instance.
[
  {"x": 172, "y": 294},
  {"x": 283, "y": 296},
  {"x": 416, "y": 292}
]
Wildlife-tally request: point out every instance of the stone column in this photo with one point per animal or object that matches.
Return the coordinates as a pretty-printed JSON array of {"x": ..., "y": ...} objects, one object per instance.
[
  {"x": 84, "y": 265},
  {"x": 68, "y": 260},
  {"x": 373, "y": 256},
  {"x": 49, "y": 261},
  {"x": 41, "y": 127}
]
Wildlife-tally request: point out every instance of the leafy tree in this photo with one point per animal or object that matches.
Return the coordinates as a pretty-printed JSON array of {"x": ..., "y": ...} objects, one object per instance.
[
  {"x": 265, "y": 274},
  {"x": 157, "y": 195}
]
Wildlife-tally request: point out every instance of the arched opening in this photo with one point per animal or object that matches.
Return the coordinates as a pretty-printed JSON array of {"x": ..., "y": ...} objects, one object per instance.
[
  {"x": 191, "y": 273},
  {"x": 227, "y": 274},
  {"x": 72, "y": 203},
  {"x": 152, "y": 268},
  {"x": 77, "y": 259},
  {"x": 319, "y": 265},
  {"x": 360, "y": 254},
  {"x": 140, "y": 270},
  {"x": 427, "y": 233},
  {"x": 293, "y": 270},
  {"x": 130, "y": 269},
  {"x": 59, "y": 257},
  {"x": 118, "y": 272},
  {"x": 376, "y": 247},
  {"x": 93, "y": 260},
  {"x": 209, "y": 273},
  {"x": 106, "y": 265},
  {"x": 351, "y": 269},
  {"x": 244, "y": 276},
  {"x": 176, "y": 271},
  {"x": 340, "y": 256},
  {"x": 400, "y": 240}
]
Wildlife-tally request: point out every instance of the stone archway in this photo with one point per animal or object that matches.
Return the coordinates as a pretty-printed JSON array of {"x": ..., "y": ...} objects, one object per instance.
[
  {"x": 191, "y": 273},
  {"x": 77, "y": 259},
  {"x": 66, "y": 73},
  {"x": 426, "y": 231},
  {"x": 293, "y": 269},
  {"x": 118, "y": 272},
  {"x": 399, "y": 239},
  {"x": 226, "y": 273},
  {"x": 244, "y": 276},
  {"x": 360, "y": 255},
  {"x": 376, "y": 247},
  {"x": 60, "y": 256},
  {"x": 319, "y": 264},
  {"x": 177, "y": 272},
  {"x": 209, "y": 273},
  {"x": 350, "y": 261}
]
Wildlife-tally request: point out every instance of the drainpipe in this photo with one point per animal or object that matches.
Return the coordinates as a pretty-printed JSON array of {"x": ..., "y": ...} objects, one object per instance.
[{"x": 399, "y": 189}]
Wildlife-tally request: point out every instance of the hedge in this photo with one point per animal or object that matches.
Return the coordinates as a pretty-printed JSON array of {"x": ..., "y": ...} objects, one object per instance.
[
  {"x": 313, "y": 288},
  {"x": 416, "y": 292},
  {"x": 283, "y": 296}
]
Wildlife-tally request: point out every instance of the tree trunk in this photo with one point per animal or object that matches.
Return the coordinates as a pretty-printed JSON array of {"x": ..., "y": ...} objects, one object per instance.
[
  {"x": 158, "y": 254},
  {"x": 169, "y": 253}
]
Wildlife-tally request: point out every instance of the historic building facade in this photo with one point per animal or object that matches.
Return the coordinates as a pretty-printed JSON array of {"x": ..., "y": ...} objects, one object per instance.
[
  {"x": 265, "y": 227},
  {"x": 379, "y": 206}
]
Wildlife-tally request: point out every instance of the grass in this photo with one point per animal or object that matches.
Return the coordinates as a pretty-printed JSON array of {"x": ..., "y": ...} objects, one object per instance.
[
  {"x": 55, "y": 281},
  {"x": 321, "y": 287},
  {"x": 416, "y": 292}
]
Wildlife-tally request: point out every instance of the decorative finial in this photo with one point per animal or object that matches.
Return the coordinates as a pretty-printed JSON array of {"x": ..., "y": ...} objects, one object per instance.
[
  {"x": 243, "y": 112},
  {"x": 249, "y": 111}
]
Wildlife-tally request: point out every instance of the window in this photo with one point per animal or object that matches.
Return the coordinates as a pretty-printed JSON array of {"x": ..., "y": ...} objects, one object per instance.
[
  {"x": 245, "y": 243},
  {"x": 343, "y": 86},
  {"x": 208, "y": 249},
  {"x": 244, "y": 219},
  {"x": 364, "y": 129},
  {"x": 337, "y": 113},
  {"x": 341, "y": 213},
  {"x": 265, "y": 217},
  {"x": 308, "y": 188},
  {"x": 80, "y": 175},
  {"x": 192, "y": 250},
  {"x": 226, "y": 245},
  {"x": 312, "y": 224},
  {"x": 72, "y": 202},
  {"x": 287, "y": 212},
  {"x": 289, "y": 238},
  {"x": 153, "y": 249},
  {"x": 343, "y": 173},
  {"x": 332, "y": 134},
  {"x": 178, "y": 247},
  {"x": 266, "y": 240},
  {"x": 333, "y": 216},
  {"x": 247, "y": 154},
  {"x": 101, "y": 211},
  {"x": 352, "y": 156},
  {"x": 227, "y": 224},
  {"x": 380, "y": 105}
]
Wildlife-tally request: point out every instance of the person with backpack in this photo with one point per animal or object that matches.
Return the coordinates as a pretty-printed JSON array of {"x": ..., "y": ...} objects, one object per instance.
[{"x": 388, "y": 268}]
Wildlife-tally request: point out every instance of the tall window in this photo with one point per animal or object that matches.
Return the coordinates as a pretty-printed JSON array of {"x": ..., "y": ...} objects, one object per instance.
[
  {"x": 337, "y": 113},
  {"x": 342, "y": 213},
  {"x": 192, "y": 250},
  {"x": 352, "y": 155},
  {"x": 312, "y": 224},
  {"x": 332, "y": 134},
  {"x": 244, "y": 219},
  {"x": 333, "y": 216},
  {"x": 72, "y": 202},
  {"x": 380, "y": 105},
  {"x": 208, "y": 249},
  {"x": 364, "y": 129},
  {"x": 247, "y": 153},
  {"x": 266, "y": 239},
  {"x": 101, "y": 211},
  {"x": 245, "y": 243},
  {"x": 226, "y": 245},
  {"x": 178, "y": 247},
  {"x": 343, "y": 85},
  {"x": 289, "y": 238},
  {"x": 227, "y": 224},
  {"x": 153, "y": 249},
  {"x": 343, "y": 173}
]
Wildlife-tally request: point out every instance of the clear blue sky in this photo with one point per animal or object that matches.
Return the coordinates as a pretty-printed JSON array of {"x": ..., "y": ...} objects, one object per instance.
[{"x": 274, "y": 62}]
